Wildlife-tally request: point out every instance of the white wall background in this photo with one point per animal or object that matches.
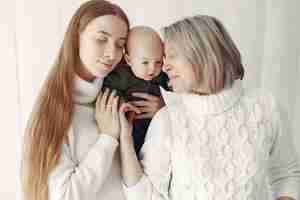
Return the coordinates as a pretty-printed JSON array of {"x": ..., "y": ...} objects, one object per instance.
[{"x": 266, "y": 31}]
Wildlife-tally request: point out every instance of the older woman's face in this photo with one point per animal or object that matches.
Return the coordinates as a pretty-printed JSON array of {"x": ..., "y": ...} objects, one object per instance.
[
  {"x": 179, "y": 70},
  {"x": 101, "y": 45}
]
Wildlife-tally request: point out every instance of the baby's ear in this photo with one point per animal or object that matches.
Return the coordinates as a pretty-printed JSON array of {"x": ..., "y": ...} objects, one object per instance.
[{"x": 127, "y": 59}]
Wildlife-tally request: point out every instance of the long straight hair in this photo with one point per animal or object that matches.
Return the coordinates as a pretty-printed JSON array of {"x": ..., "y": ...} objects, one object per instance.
[{"x": 50, "y": 119}]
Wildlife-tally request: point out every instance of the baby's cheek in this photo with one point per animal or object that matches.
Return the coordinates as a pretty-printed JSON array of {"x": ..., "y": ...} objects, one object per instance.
[
  {"x": 140, "y": 71},
  {"x": 158, "y": 70}
]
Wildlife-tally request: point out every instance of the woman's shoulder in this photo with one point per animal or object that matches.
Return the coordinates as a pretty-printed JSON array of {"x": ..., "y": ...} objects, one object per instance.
[
  {"x": 259, "y": 95},
  {"x": 261, "y": 100}
]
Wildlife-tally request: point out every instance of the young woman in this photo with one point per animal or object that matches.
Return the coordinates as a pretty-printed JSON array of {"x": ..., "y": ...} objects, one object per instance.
[
  {"x": 70, "y": 148},
  {"x": 213, "y": 140}
]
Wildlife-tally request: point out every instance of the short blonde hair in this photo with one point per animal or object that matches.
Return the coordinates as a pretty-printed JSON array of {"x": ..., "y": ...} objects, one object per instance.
[{"x": 206, "y": 44}]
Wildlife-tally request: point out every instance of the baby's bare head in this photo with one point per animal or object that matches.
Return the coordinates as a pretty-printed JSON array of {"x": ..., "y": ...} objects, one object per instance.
[{"x": 144, "y": 52}]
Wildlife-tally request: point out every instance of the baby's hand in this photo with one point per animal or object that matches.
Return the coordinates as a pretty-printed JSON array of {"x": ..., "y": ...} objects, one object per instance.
[{"x": 149, "y": 106}]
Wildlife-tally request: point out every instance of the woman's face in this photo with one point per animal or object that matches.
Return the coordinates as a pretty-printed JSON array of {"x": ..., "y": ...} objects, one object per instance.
[
  {"x": 101, "y": 45},
  {"x": 182, "y": 74}
]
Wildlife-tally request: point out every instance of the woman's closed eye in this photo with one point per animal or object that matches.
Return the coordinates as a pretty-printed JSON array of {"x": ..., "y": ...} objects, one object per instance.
[{"x": 102, "y": 39}]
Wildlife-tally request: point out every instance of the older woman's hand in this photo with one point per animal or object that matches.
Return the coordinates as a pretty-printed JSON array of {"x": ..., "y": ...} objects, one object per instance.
[
  {"x": 107, "y": 115},
  {"x": 149, "y": 106}
]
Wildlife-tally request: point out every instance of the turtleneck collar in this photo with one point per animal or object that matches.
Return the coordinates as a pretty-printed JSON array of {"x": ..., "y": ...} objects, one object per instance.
[
  {"x": 206, "y": 104},
  {"x": 86, "y": 92}
]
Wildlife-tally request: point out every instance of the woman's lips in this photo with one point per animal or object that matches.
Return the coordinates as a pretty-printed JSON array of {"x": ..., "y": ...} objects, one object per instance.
[{"x": 107, "y": 66}]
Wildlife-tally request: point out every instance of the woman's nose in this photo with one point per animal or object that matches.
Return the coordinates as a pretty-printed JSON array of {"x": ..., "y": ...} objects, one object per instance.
[{"x": 110, "y": 52}]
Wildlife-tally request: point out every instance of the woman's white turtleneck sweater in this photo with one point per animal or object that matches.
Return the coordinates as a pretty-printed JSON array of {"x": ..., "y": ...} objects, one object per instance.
[
  {"x": 226, "y": 146},
  {"x": 89, "y": 166}
]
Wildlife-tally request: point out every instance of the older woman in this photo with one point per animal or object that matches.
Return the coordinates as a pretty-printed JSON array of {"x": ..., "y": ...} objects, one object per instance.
[{"x": 213, "y": 140}]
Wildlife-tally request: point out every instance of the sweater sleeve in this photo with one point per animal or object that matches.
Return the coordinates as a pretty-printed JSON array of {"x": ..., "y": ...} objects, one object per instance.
[
  {"x": 155, "y": 161},
  {"x": 284, "y": 167},
  {"x": 71, "y": 180}
]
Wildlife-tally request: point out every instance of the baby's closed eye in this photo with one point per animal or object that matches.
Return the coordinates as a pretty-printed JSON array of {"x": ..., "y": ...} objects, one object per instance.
[{"x": 145, "y": 62}]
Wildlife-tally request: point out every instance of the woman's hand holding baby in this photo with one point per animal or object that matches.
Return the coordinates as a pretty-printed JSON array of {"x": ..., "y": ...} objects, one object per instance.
[
  {"x": 106, "y": 114},
  {"x": 149, "y": 106}
]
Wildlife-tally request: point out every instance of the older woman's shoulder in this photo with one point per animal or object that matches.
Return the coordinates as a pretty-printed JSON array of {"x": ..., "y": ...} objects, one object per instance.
[
  {"x": 259, "y": 95},
  {"x": 260, "y": 99}
]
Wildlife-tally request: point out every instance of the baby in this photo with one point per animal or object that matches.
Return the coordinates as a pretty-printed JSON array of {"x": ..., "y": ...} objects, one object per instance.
[{"x": 142, "y": 74}]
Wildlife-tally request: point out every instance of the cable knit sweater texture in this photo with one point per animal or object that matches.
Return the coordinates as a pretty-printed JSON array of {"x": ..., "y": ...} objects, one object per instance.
[
  {"x": 89, "y": 166},
  {"x": 227, "y": 146}
]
